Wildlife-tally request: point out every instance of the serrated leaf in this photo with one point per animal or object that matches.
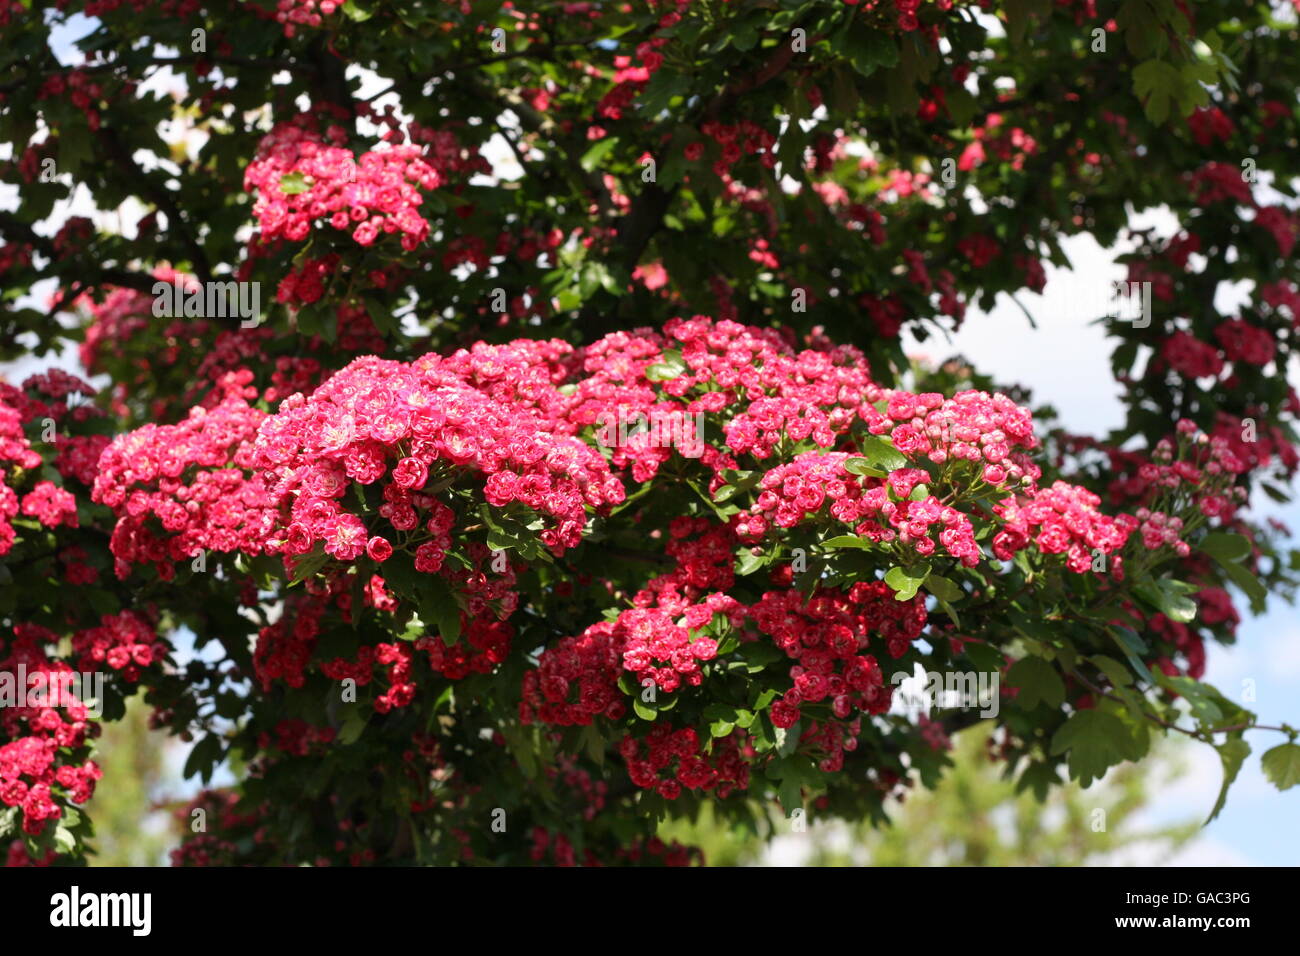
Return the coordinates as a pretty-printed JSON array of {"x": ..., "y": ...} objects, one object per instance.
[
  {"x": 1282, "y": 765},
  {"x": 943, "y": 588},
  {"x": 1159, "y": 84},
  {"x": 1115, "y": 671},
  {"x": 1093, "y": 741},
  {"x": 879, "y": 453},
  {"x": 1202, "y": 698},
  {"x": 202, "y": 758},
  {"x": 1040, "y": 778},
  {"x": 1038, "y": 681},
  {"x": 1233, "y": 752},
  {"x": 869, "y": 48},
  {"x": 906, "y": 581}
]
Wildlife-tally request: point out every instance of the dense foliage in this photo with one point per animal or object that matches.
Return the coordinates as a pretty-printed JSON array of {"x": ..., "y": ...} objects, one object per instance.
[{"x": 573, "y": 476}]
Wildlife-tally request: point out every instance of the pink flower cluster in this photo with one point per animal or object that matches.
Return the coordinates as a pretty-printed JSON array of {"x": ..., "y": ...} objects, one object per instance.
[
  {"x": 576, "y": 680},
  {"x": 988, "y": 430},
  {"x": 483, "y": 645},
  {"x": 658, "y": 651},
  {"x": 51, "y": 505},
  {"x": 723, "y": 769},
  {"x": 704, "y": 555},
  {"x": 1062, "y": 519},
  {"x": 284, "y": 647},
  {"x": 912, "y": 522},
  {"x": 300, "y": 179},
  {"x": 398, "y": 659},
  {"x": 878, "y": 509},
  {"x": 416, "y": 429},
  {"x": 45, "y": 763},
  {"x": 828, "y": 636},
  {"x": 1243, "y": 342},
  {"x": 303, "y": 13},
  {"x": 126, "y": 642},
  {"x": 46, "y": 396},
  {"x": 17, "y": 451},
  {"x": 1190, "y": 357},
  {"x": 175, "y": 492},
  {"x": 761, "y": 389},
  {"x": 1159, "y": 529}
]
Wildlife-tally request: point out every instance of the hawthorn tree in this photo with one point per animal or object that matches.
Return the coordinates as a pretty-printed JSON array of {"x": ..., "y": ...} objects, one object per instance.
[{"x": 570, "y": 474}]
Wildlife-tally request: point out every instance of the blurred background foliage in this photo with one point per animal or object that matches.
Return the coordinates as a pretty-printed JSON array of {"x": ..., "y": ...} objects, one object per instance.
[{"x": 974, "y": 817}]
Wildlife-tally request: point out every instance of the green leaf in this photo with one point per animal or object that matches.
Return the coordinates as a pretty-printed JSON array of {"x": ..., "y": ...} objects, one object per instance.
[
  {"x": 1170, "y": 597},
  {"x": 1159, "y": 83},
  {"x": 591, "y": 159},
  {"x": 1202, "y": 698},
  {"x": 1095, "y": 741},
  {"x": 725, "y": 493},
  {"x": 307, "y": 565},
  {"x": 879, "y": 453},
  {"x": 1233, "y": 752},
  {"x": 354, "y": 12},
  {"x": 594, "y": 744},
  {"x": 861, "y": 466},
  {"x": 64, "y": 841},
  {"x": 1132, "y": 645},
  {"x": 943, "y": 588},
  {"x": 868, "y": 48},
  {"x": 1282, "y": 765},
  {"x": 1115, "y": 671},
  {"x": 73, "y": 150},
  {"x": 1040, "y": 778},
  {"x": 906, "y": 581},
  {"x": 1018, "y": 13},
  {"x": 1038, "y": 681},
  {"x": 962, "y": 106},
  {"x": 438, "y": 607},
  {"x": 291, "y": 184},
  {"x": 205, "y": 754},
  {"x": 790, "y": 793},
  {"x": 1248, "y": 584},
  {"x": 983, "y": 656},
  {"x": 671, "y": 367},
  {"x": 1226, "y": 548},
  {"x": 354, "y": 722},
  {"x": 757, "y": 655},
  {"x": 1230, "y": 550},
  {"x": 849, "y": 541}
]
